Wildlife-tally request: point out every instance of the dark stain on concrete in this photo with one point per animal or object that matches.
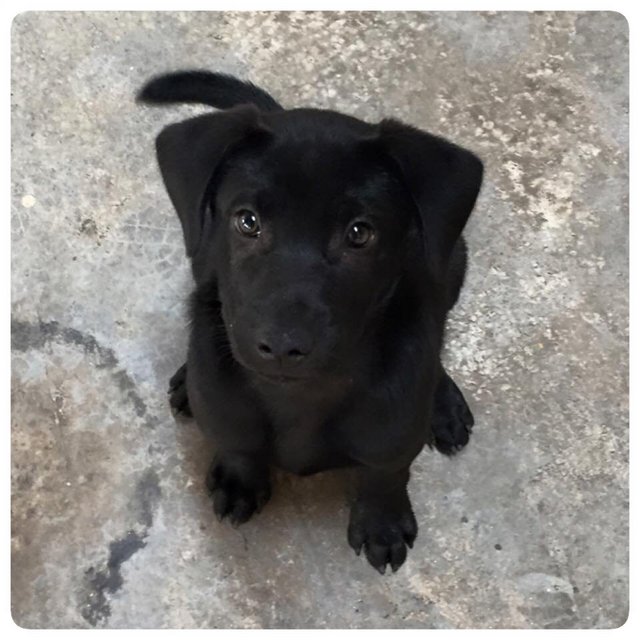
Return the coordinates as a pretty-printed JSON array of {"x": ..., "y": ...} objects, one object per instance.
[
  {"x": 127, "y": 386},
  {"x": 34, "y": 335},
  {"x": 108, "y": 579},
  {"x": 88, "y": 227},
  {"x": 145, "y": 498},
  {"x": 99, "y": 582},
  {"x": 556, "y": 608}
]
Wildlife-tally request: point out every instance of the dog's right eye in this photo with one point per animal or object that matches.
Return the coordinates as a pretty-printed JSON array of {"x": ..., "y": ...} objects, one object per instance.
[
  {"x": 247, "y": 223},
  {"x": 359, "y": 234}
]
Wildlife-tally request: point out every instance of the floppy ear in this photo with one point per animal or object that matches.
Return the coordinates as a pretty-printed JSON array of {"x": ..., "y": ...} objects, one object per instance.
[
  {"x": 443, "y": 179},
  {"x": 190, "y": 152}
]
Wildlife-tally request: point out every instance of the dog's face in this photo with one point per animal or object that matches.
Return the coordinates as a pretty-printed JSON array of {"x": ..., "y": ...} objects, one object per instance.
[
  {"x": 309, "y": 241},
  {"x": 307, "y": 221}
]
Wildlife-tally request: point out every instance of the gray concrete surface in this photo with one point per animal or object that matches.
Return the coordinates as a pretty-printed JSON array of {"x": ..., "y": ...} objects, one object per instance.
[{"x": 527, "y": 528}]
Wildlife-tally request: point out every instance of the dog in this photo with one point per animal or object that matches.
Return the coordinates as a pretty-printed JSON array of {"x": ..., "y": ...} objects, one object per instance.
[{"x": 326, "y": 253}]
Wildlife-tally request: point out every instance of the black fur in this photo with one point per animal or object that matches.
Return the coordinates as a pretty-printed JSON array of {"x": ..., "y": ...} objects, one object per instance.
[
  {"x": 215, "y": 89},
  {"x": 326, "y": 253}
]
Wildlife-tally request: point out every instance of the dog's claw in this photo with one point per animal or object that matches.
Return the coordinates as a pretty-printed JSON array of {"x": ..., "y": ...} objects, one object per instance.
[
  {"x": 236, "y": 496},
  {"x": 384, "y": 535}
]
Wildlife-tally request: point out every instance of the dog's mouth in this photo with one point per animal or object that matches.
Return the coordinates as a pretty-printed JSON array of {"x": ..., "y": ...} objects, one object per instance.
[{"x": 279, "y": 378}]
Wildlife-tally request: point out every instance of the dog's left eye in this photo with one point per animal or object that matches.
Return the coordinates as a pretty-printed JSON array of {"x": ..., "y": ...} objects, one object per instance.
[
  {"x": 359, "y": 234},
  {"x": 247, "y": 222}
]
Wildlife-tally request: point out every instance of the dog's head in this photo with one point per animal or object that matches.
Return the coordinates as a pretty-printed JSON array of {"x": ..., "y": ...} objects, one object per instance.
[{"x": 308, "y": 220}]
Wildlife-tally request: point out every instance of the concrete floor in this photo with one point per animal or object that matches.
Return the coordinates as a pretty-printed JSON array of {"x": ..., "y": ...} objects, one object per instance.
[{"x": 527, "y": 528}]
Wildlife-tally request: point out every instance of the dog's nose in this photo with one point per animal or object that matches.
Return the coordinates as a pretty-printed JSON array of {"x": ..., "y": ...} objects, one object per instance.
[{"x": 287, "y": 348}]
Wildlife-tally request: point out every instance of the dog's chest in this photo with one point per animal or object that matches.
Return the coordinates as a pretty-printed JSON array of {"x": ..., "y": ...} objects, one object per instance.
[
  {"x": 301, "y": 448},
  {"x": 301, "y": 432}
]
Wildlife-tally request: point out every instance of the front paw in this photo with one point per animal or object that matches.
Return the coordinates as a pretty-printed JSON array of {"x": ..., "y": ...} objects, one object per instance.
[
  {"x": 237, "y": 488},
  {"x": 385, "y": 533},
  {"x": 452, "y": 419}
]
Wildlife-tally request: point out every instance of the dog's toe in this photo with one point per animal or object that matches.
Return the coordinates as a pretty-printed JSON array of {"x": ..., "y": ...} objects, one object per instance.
[
  {"x": 384, "y": 535},
  {"x": 235, "y": 496}
]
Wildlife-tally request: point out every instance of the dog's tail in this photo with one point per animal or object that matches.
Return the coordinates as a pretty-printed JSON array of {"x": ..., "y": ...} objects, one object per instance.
[{"x": 203, "y": 87}]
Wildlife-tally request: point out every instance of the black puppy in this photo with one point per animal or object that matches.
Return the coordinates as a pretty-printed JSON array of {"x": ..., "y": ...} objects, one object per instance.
[{"x": 326, "y": 253}]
